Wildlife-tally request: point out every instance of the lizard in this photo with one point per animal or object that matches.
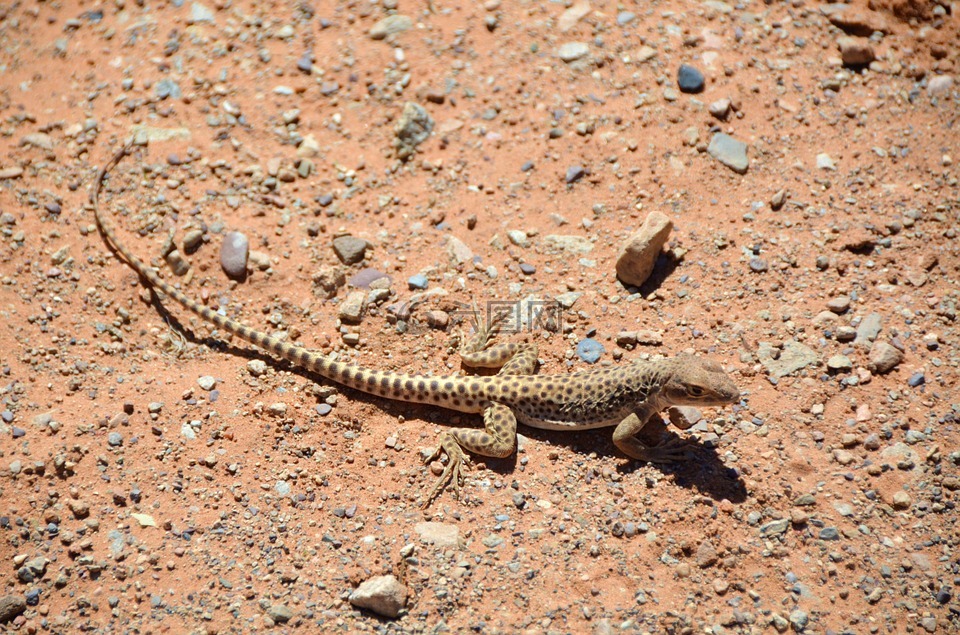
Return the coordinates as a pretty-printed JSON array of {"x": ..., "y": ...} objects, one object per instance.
[{"x": 624, "y": 397}]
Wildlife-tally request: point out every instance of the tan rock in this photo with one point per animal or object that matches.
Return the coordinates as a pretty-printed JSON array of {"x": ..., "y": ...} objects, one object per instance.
[
  {"x": 639, "y": 254},
  {"x": 855, "y": 51}
]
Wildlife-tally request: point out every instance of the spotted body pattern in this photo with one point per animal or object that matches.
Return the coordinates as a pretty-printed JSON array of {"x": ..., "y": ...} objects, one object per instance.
[{"x": 625, "y": 396}]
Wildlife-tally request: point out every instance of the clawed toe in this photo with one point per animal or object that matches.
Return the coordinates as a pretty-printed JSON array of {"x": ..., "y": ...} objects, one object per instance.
[
  {"x": 669, "y": 451},
  {"x": 452, "y": 473}
]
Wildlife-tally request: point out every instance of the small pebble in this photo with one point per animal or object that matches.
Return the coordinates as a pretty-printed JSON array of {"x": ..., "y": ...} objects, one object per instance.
[
  {"x": 417, "y": 282},
  {"x": 574, "y": 174},
  {"x": 690, "y": 79},
  {"x": 234, "y": 254},
  {"x": 758, "y": 265},
  {"x": 589, "y": 350}
]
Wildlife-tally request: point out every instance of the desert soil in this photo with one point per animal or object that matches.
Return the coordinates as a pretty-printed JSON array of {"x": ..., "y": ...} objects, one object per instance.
[{"x": 157, "y": 476}]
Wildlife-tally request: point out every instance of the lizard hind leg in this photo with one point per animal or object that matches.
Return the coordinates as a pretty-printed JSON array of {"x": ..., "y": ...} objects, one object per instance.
[
  {"x": 511, "y": 358},
  {"x": 497, "y": 439},
  {"x": 486, "y": 332}
]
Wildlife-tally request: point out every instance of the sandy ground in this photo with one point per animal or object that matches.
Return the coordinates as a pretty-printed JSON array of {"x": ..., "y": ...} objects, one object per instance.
[{"x": 157, "y": 477}]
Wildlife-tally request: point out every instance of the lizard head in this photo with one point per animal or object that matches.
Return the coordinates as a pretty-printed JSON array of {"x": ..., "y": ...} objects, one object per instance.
[{"x": 699, "y": 382}]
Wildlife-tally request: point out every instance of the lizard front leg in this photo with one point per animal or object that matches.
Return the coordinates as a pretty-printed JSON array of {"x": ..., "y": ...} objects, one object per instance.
[{"x": 625, "y": 438}]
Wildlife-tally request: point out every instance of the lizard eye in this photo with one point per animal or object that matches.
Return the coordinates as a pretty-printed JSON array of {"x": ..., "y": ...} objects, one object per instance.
[{"x": 696, "y": 391}]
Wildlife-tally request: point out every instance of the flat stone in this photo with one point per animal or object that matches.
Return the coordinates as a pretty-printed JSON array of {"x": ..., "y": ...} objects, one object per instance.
[
  {"x": 590, "y": 350},
  {"x": 384, "y": 595},
  {"x": 853, "y": 20},
  {"x": 390, "y": 25},
  {"x": 706, "y": 555},
  {"x": 573, "y": 51},
  {"x": 367, "y": 278},
  {"x": 234, "y": 253},
  {"x": 775, "y": 528},
  {"x": 443, "y": 535},
  {"x": 639, "y": 253},
  {"x": 839, "y": 304},
  {"x": 577, "y": 245},
  {"x": 684, "y": 417},
  {"x": 868, "y": 329},
  {"x": 569, "y": 18},
  {"x": 791, "y": 358},
  {"x": 417, "y": 282},
  {"x": 839, "y": 363},
  {"x": 730, "y": 152}
]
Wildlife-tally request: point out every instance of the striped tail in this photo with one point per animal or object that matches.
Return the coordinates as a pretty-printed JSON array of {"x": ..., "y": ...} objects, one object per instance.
[{"x": 398, "y": 386}]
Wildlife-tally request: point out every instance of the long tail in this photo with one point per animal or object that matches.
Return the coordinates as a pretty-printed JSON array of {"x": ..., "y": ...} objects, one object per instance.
[{"x": 399, "y": 386}]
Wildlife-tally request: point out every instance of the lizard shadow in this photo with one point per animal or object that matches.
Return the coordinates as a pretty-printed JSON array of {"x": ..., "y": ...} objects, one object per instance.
[
  {"x": 663, "y": 268},
  {"x": 701, "y": 470}
]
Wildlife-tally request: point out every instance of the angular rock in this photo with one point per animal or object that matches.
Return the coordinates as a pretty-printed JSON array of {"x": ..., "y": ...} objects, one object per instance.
[
  {"x": 458, "y": 250},
  {"x": 412, "y": 129},
  {"x": 730, "y": 152},
  {"x": 384, "y": 595},
  {"x": 706, "y": 555},
  {"x": 684, "y": 417},
  {"x": 10, "y": 607},
  {"x": 327, "y": 280},
  {"x": 351, "y": 309},
  {"x": 350, "y": 249},
  {"x": 639, "y": 254},
  {"x": 280, "y": 613},
  {"x": 855, "y": 51},
  {"x": 884, "y": 357},
  {"x": 200, "y": 13}
]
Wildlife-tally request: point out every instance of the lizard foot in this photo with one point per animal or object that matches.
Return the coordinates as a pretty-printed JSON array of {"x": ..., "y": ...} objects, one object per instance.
[
  {"x": 452, "y": 473},
  {"x": 670, "y": 451}
]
